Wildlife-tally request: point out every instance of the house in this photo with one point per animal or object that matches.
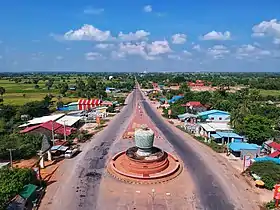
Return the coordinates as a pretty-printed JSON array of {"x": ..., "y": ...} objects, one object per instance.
[
  {"x": 175, "y": 98},
  {"x": 206, "y": 129},
  {"x": 107, "y": 103},
  {"x": 226, "y": 137},
  {"x": 195, "y": 106},
  {"x": 70, "y": 121},
  {"x": 48, "y": 127},
  {"x": 241, "y": 149},
  {"x": 110, "y": 89},
  {"x": 214, "y": 116},
  {"x": 40, "y": 120},
  {"x": 272, "y": 148},
  {"x": 187, "y": 117}
]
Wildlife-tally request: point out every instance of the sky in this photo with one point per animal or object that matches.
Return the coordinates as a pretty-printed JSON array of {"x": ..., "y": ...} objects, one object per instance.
[{"x": 139, "y": 35}]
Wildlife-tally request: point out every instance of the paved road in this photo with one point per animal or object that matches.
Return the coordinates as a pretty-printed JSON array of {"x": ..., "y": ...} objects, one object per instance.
[
  {"x": 211, "y": 192},
  {"x": 80, "y": 177}
]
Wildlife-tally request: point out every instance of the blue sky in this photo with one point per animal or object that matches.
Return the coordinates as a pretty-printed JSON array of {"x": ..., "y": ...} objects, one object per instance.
[{"x": 123, "y": 35}]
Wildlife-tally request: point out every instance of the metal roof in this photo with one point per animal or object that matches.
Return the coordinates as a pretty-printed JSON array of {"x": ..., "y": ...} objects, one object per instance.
[
  {"x": 69, "y": 120},
  {"x": 214, "y": 111},
  {"x": 40, "y": 120},
  {"x": 207, "y": 127},
  {"x": 238, "y": 146},
  {"x": 229, "y": 134}
]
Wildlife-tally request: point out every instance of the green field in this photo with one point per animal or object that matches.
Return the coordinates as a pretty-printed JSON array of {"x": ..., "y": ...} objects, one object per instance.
[
  {"x": 20, "y": 93},
  {"x": 270, "y": 92}
]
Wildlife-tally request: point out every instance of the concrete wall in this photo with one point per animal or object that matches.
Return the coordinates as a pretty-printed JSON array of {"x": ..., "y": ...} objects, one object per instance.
[{"x": 218, "y": 117}]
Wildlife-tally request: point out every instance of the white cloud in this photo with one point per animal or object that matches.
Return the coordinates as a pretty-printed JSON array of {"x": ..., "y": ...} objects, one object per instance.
[
  {"x": 104, "y": 46},
  {"x": 116, "y": 55},
  {"x": 158, "y": 47},
  {"x": 93, "y": 11},
  {"x": 59, "y": 57},
  {"x": 218, "y": 51},
  {"x": 197, "y": 47},
  {"x": 187, "y": 53},
  {"x": 214, "y": 35},
  {"x": 179, "y": 38},
  {"x": 276, "y": 41},
  {"x": 267, "y": 28},
  {"x": 251, "y": 51},
  {"x": 88, "y": 32},
  {"x": 68, "y": 48},
  {"x": 138, "y": 35},
  {"x": 148, "y": 8},
  {"x": 174, "y": 57},
  {"x": 94, "y": 56},
  {"x": 133, "y": 49},
  {"x": 139, "y": 48}
]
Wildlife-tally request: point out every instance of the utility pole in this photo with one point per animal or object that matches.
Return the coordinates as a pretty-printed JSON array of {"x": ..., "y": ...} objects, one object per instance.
[
  {"x": 11, "y": 156},
  {"x": 64, "y": 130},
  {"x": 52, "y": 133}
]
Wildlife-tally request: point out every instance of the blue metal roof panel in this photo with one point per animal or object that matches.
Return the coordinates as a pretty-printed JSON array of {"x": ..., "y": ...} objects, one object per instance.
[
  {"x": 230, "y": 135},
  {"x": 214, "y": 111},
  {"x": 238, "y": 146},
  {"x": 216, "y": 136}
]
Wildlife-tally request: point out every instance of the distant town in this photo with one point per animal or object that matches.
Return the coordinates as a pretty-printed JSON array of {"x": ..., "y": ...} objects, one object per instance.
[{"x": 139, "y": 140}]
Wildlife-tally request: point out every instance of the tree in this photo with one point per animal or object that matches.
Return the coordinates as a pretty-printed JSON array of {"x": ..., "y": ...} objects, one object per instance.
[
  {"x": 49, "y": 84},
  {"x": 2, "y": 91},
  {"x": 91, "y": 84},
  {"x": 257, "y": 128},
  {"x": 63, "y": 88},
  {"x": 35, "y": 109},
  {"x": 12, "y": 182}
]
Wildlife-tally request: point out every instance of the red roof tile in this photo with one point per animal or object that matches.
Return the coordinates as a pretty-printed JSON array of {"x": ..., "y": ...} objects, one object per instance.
[
  {"x": 274, "y": 145},
  {"x": 193, "y": 104},
  {"x": 274, "y": 154}
]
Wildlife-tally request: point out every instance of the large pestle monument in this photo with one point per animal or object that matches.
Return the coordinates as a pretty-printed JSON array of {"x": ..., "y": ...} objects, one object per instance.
[{"x": 144, "y": 163}]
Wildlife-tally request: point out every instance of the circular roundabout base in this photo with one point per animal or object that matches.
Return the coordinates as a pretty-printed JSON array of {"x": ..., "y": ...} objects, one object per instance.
[{"x": 158, "y": 168}]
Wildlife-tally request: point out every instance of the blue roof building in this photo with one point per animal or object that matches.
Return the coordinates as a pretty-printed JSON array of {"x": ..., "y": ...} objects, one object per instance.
[
  {"x": 175, "y": 98},
  {"x": 214, "y": 116},
  {"x": 226, "y": 137},
  {"x": 240, "y": 149}
]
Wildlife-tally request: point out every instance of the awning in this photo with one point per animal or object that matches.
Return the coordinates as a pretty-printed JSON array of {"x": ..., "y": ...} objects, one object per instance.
[
  {"x": 216, "y": 136},
  {"x": 85, "y": 104},
  {"x": 28, "y": 191}
]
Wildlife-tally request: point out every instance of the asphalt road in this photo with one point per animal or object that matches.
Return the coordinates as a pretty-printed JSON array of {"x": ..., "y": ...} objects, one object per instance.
[
  {"x": 80, "y": 177},
  {"x": 211, "y": 193}
]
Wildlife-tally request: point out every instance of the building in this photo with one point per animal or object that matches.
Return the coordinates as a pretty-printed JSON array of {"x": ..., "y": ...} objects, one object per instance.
[
  {"x": 241, "y": 150},
  {"x": 226, "y": 137},
  {"x": 70, "y": 121},
  {"x": 272, "y": 149},
  {"x": 47, "y": 128},
  {"x": 195, "y": 106},
  {"x": 40, "y": 120},
  {"x": 206, "y": 129},
  {"x": 87, "y": 104},
  {"x": 175, "y": 98},
  {"x": 214, "y": 116},
  {"x": 110, "y": 89}
]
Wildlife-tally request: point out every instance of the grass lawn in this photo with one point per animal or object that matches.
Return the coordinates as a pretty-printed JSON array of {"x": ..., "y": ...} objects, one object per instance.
[{"x": 270, "y": 92}]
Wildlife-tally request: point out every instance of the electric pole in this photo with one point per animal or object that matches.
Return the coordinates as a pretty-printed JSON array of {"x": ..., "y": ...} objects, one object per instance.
[{"x": 11, "y": 157}]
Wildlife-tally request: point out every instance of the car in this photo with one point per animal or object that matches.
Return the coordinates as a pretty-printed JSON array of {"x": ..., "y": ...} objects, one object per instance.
[{"x": 71, "y": 152}]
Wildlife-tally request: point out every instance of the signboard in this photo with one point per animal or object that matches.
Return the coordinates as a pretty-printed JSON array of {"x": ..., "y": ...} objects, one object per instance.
[{"x": 247, "y": 161}]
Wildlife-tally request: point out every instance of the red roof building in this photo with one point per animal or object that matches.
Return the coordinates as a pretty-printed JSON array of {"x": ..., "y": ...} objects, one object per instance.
[
  {"x": 47, "y": 127},
  {"x": 193, "y": 104},
  {"x": 274, "y": 145},
  {"x": 85, "y": 104}
]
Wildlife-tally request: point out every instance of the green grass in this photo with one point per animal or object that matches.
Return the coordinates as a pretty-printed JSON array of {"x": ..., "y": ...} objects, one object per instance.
[
  {"x": 15, "y": 92},
  {"x": 270, "y": 92}
]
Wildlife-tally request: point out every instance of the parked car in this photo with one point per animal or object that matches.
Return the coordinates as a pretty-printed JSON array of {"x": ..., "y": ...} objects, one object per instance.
[{"x": 70, "y": 152}]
